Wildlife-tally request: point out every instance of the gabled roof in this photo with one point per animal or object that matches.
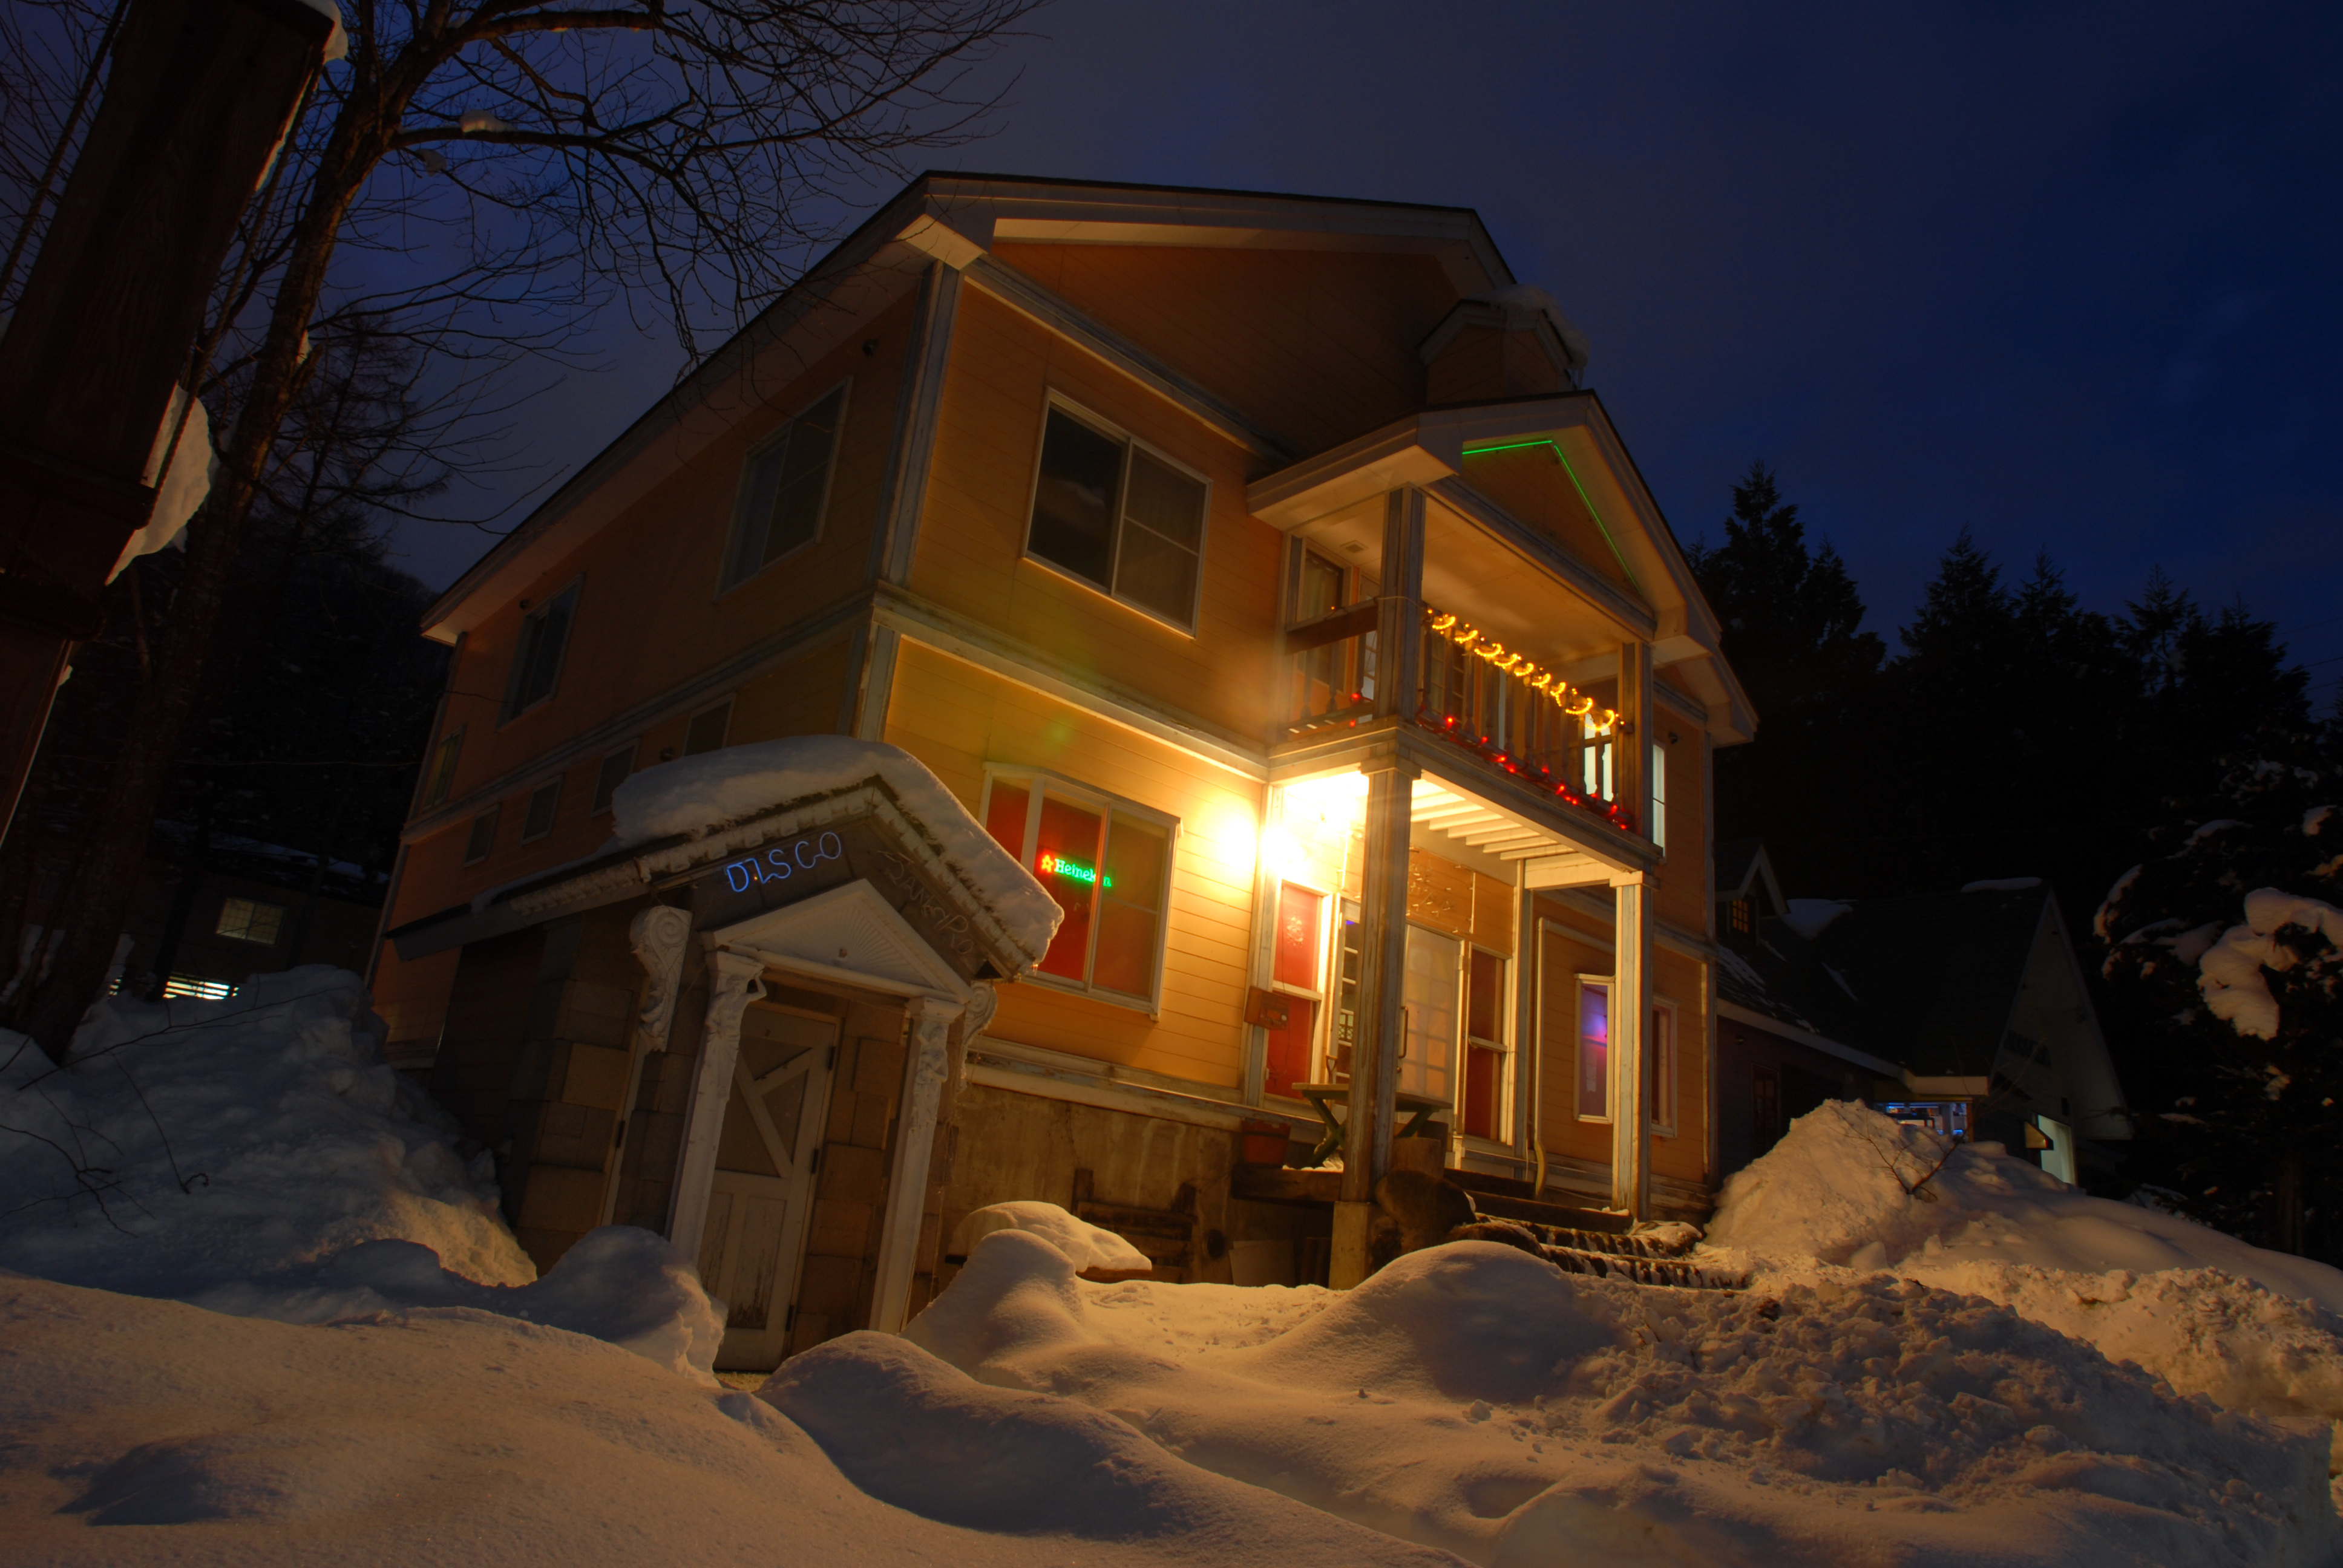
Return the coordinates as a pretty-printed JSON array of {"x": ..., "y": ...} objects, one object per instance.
[
  {"x": 954, "y": 218},
  {"x": 1428, "y": 450},
  {"x": 1744, "y": 869},
  {"x": 1928, "y": 982}
]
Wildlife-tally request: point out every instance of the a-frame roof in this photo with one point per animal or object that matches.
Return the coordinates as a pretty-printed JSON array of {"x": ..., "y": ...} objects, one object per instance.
[{"x": 954, "y": 218}]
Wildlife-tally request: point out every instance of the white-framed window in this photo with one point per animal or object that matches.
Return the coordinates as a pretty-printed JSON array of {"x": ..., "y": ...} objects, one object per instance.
[
  {"x": 250, "y": 920},
  {"x": 543, "y": 802},
  {"x": 708, "y": 729},
  {"x": 1298, "y": 974},
  {"x": 1488, "y": 1061},
  {"x": 1593, "y": 1075},
  {"x": 1660, "y": 1052},
  {"x": 1659, "y": 796},
  {"x": 1660, "y": 1048},
  {"x": 616, "y": 766},
  {"x": 483, "y": 835},
  {"x": 536, "y": 656},
  {"x": 1119, "y": 516},
  {"x": 1107, "y": 862},
  {"x": 785, "y": 486},
  {"x": 443, "y": 768}
]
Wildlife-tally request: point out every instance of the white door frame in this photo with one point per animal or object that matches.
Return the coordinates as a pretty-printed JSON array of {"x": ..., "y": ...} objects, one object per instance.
[{"x": 848, "y": 936}]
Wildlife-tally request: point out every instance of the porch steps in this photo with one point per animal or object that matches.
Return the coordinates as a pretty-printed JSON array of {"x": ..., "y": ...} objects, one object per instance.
[{"x": 1640, "y": 1260}]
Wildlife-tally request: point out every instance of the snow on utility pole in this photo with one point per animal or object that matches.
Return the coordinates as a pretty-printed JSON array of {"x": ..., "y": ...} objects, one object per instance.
[{"x": 200, "y": 95}]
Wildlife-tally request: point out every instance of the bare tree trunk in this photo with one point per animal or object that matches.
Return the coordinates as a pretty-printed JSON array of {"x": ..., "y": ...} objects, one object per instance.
[{"x": 109, "y": 877}]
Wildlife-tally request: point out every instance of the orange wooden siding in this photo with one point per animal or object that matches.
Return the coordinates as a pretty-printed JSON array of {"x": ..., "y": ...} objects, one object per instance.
[
  {"x": 971, "y": 553},
  {"x": 1313, "y": 347},
  {"x": 956, "y": 718}
]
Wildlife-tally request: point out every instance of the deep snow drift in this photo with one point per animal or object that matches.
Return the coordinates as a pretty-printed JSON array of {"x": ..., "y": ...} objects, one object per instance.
[
  {"x": 255, "y": 1156},
  {"x": 1477, "y": 1399},
  {"x": 452, "y": 1436},
  {"x": 2250, "y": 1329},
  {"x": 219, "y": 1141}
]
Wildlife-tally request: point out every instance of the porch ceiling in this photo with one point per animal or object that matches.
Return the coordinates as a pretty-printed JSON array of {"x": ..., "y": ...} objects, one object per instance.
[{"x": 1554, "y": 862}]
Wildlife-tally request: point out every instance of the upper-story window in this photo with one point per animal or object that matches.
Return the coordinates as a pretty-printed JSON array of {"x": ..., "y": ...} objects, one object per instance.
[
  {"x": 1123, "y": 519},
  {"x": 784, "y": 487},
  {"x": 536, "y": 659},
  {"x": 443, "y": 770}
]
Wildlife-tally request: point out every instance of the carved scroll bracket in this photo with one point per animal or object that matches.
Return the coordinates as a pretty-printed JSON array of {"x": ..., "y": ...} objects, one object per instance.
[{"x": 660, "y": 936}]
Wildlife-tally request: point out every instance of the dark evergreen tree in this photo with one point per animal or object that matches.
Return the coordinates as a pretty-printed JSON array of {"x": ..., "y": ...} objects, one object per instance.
[
  {"x": 1793, "y": 628},
  {"x": 2224, "y": 969}
]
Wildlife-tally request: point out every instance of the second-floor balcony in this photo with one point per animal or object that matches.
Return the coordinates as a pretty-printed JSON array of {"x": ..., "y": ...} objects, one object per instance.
[{"x": 1469, "y": 688}]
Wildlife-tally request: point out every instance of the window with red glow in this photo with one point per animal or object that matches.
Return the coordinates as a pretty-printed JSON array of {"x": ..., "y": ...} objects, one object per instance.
[
  {"x": 1300, "y": 915},
  {"x": 1108, "y": 869}
]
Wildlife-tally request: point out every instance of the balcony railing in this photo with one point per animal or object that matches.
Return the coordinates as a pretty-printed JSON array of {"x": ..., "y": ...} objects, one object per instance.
[{"x": 1469, "y": 690}]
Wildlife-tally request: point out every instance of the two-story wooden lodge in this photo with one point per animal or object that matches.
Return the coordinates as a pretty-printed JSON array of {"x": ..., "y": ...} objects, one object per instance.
[{"x": 1258, "y": 571}]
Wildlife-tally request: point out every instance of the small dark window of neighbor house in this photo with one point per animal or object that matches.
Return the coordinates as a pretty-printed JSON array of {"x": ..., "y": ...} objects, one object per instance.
[
  {"x": 251, "y": 920},
  {"x": 543, "y": 801},
  {"x": 782, "y": 489},
  {"x": 484, "y": 834},
  {"x": 536, "y": 659},
  {"x": 614, "y": 768},
  {"x": 707, "y": 731}
]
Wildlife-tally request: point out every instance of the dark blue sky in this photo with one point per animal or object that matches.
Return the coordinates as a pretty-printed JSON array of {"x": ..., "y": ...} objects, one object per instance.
[{"x": 2067, "y": 276}]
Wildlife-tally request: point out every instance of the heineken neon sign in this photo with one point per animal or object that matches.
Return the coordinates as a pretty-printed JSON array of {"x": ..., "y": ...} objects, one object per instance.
[{"x": 1072, "y": 870}]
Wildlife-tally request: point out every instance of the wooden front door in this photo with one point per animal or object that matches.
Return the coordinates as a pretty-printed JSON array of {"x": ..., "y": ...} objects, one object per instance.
[{"x": 756, "y": 1209}]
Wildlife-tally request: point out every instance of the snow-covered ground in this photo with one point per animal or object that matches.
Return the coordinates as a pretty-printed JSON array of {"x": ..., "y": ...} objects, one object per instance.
[
  {"x": 1911, "y": 1380},
  {"x": 2251, "y": 1330}
]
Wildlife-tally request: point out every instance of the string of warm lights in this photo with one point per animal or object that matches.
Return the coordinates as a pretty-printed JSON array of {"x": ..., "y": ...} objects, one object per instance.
[{"x": 1577, "y": 704}]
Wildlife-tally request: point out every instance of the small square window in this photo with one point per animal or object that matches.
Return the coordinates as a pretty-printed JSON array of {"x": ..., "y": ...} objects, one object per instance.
[
  {"x": 443, "y": 770},
  {"x": 614, "y": 768},
  {"x": 706, "y": 729},
  {"x": 483, "y": 836},
  {"x": 250, "y": 920},
  {"x": 543, "y": 801},
  {"x": 1119, "y": 518}
]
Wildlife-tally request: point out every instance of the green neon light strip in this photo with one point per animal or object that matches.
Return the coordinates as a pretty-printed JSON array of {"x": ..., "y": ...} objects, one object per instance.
[{"x": 1583, "y": 498}]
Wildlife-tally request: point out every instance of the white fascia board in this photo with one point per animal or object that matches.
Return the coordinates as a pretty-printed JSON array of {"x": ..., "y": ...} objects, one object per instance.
[{"x": 1380, "y": 460}]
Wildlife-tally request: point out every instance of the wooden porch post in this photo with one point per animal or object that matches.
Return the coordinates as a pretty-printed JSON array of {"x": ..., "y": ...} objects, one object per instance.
[
  {"x": 927, "y": 1022},
  {"x": 1382, "y": 913},
  {"x": 734, "y": 981},
  {"x": 1631, "y": 1012}
]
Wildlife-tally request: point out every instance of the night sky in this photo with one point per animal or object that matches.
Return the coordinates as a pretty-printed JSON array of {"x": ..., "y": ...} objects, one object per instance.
[{"x": 2066, "y": 276}]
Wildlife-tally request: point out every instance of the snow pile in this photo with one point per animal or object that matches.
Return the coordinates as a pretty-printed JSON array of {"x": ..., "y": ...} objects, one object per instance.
[
  {"x": 626, "y": 1286},
  {"x": 1085, "y": 1245},
  {"x": 451, "y": 1435},
  {"x": 1474, "y": 1398},
  {"x": 698, "y": 795},
  {"x": 2250, "y": 1329},
  {"x": 190, "y": 1144},
  {"x": 253, "y": 1156},
  {"x": 2230, "y": 971},
  {"x": 1812, "y": 917}
]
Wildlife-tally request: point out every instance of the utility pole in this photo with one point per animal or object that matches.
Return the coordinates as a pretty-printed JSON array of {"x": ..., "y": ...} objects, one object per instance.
[{"x": 199, "y": 95}]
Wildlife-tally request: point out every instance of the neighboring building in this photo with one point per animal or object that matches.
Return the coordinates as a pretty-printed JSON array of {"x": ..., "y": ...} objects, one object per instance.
[
  {"x": 1255, "y": 569},
  {"x": 1966, "y": 1012},
  {"x": 211, "y": 912}
]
